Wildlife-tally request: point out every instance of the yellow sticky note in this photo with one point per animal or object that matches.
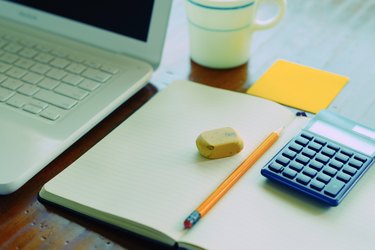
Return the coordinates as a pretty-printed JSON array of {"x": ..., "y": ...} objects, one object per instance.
[{"x": 298, "y": 86}]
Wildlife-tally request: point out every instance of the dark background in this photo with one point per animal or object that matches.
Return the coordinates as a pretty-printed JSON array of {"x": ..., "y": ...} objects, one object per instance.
[{"x": 130, "y": 18}]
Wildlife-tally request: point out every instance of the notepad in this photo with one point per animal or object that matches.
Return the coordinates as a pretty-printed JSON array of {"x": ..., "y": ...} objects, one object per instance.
[
  {"x": 298, "y": 86},
  {"x": 147, "y": 175}
]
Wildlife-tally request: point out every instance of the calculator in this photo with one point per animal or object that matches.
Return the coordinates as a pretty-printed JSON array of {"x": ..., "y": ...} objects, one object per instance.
[{"x": 325, "y": 159}]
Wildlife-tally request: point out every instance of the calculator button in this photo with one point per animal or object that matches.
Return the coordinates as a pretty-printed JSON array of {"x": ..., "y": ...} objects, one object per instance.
[
  {"x": 302, "y": 141},
  {"x": 296, "y": 166},
  {"x": 334, "y": 187},
  {"x": 275, "y": 167},
  {"x": 320, "y": 141},
  {"x": 323, "y": 178},
  {"x": 295, "y": 147},
  {"x": 282, "y": 160},
  {"x": 336, "y": 164},
  {"x": 317, "y": 185},
  {"x": 289, "y": 173},
  {"x": 316, "y": 165},
  {"x": 310, "y": 172},
  {"x": 303, "y": 179},
  {"x": 349, "y": 170},
  {"x": 307, "y": 136},
  {"x": 360, "y": 158},
  {"x": 330, "y": 171},
  {"x": 355, "y": 163},
  {"x": 344, "y": 177},
  {"x": 309, "y": 153},
  {"x": 328, "y": 152},
  {"x": 289, "y": 153},
  {"x": 303, "y": 159},
  {"x": 322, "y": 158},
  {"x": 347, "y": 152},
  {"x": 315, "y": 146},
  {"x": 341, "y": 157},
  {"x": 334, "y": 147}
]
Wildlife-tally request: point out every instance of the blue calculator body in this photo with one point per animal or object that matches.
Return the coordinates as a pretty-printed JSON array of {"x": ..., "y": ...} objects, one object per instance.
[{"x": 326, "y": 159}]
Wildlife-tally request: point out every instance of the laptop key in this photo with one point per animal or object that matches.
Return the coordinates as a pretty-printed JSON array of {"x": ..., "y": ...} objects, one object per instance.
[
  {"x": 48, "y": 83},
  {"x": 76, "y": 68},
  {"x": 92, "y": 64},
  {"x": 32, "y": 109},
  {"x": 2, "y": 78},
  {"x": 28, "y": 89},
  {"x": 38, "y": 103},
  {"x": 96, "y": 75},
  {"x": 4, "y": 67},
  {"x": 70, "y": 91},
  {"x": 43, "y": 48},
  {"x": 28, "y": 52},
  {"x": 24, "y": 63},
  {"x": 8, "y": 58},
  {"x": 56, "y": 74},
  {"x": 50, "y": 113},
  {"x": 2, "y": 43},
  {"x": 109, "y": 69},
  {"x": 59, "y": 63},
  {"x": 17, "y": 101},
  {"x": 12, "y": 84},
  {"x": 5, "y": 94},
  {"x": 40, "y": 68},
  {"x": 12, "y": 47},
  {"x": 55, "y": 99},
  {"x": 32, "y": 78},
  {"x": 16, "y": 72},
  {"x": 89, "y": 85},
  {"x": 72, "y": 79}
]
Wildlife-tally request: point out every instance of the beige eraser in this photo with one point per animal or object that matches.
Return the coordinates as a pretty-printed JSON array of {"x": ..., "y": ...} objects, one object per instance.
[{"x": 219, "y": 143}]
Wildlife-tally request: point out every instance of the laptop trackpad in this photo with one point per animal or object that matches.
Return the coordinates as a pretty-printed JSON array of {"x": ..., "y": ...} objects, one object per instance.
[{"x": 23, "y": 153}]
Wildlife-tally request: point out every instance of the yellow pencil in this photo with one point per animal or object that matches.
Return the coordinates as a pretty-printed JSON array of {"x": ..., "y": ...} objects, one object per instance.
[{"x": 219, "y": 192}]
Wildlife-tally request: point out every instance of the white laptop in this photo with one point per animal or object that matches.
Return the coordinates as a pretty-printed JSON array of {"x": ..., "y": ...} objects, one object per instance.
[{"x": 64, "y": 66}]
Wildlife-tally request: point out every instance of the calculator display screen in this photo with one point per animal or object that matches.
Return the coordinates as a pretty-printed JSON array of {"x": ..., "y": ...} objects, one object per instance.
[
  {"x": 364, "y": 131},
  {"x": 343, "y": 137}
]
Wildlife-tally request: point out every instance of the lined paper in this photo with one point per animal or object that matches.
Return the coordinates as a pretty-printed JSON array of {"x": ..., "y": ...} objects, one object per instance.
[{"x": 148, "y": 170}]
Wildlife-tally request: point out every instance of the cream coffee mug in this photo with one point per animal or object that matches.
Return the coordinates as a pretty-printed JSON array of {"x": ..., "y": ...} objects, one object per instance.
[{"x": 220, "y": 31}]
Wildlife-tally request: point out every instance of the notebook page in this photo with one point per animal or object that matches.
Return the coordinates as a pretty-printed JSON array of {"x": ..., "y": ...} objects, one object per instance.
[
  {"x": 259, "y": 214},
  {"x": 149, "y": 171},
  {"x": 239, "y": 219}
]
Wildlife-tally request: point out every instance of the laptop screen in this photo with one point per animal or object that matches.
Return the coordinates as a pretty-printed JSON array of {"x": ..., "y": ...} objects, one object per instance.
[{"x": 130, "y": 18}]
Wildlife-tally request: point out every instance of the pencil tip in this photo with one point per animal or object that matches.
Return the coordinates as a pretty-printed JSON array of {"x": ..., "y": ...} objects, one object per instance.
[{"x": 278, "y": 131}]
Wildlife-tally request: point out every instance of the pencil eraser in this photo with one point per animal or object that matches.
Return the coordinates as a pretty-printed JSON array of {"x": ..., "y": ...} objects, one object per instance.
[{"x": 219, "y": 143}]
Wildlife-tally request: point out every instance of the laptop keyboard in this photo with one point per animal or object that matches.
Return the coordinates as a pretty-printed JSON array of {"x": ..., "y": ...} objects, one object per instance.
[{"x": 44, "y": 81}]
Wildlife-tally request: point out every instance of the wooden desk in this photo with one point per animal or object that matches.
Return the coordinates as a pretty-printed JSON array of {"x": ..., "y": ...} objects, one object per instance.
[{"x": 335, "y": 35}]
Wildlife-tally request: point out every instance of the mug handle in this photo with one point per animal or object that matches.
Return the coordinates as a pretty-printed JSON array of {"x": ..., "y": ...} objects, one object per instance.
[{"x": 271, "y": 22}]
